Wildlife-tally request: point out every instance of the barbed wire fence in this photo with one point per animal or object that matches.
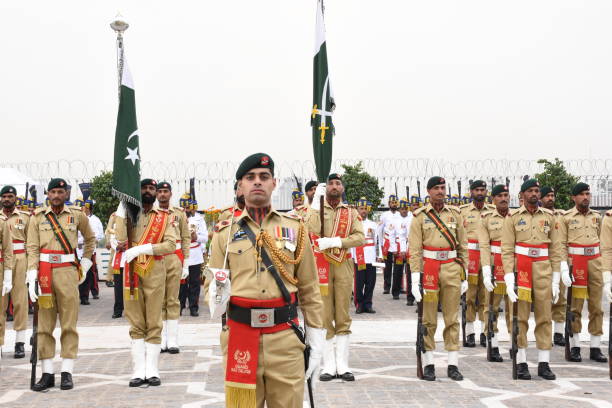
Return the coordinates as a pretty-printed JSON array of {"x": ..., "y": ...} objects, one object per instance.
[{"x": 214, "y": 180}]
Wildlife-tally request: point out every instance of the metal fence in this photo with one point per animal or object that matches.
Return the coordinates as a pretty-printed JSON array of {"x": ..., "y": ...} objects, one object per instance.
[{"x": 214, "y": 180}]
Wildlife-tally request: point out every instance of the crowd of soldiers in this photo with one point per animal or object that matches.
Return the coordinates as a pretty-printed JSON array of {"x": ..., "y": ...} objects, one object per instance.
[{"x": 319, "y": 257}]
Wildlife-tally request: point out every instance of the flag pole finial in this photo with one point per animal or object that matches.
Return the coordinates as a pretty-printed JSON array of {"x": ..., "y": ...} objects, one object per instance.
[{"x": 119, "y": 25}]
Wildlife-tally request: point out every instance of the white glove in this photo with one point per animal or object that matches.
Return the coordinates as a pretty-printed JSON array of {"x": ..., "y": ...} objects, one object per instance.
[
  {"x": 113, "y": 242},
  {"x": 416, "y": 286},
  {"x": 31, "y": 281},
  {"x": 326, "y": 243},
  {"x": 565, "y": 274},
  {"x": 86, "y": 265},
  {"x": 606, "y": 286},
  {"x": 120, "y": 210},
  {"x": 131, "y": 253},
  {"x": 7, "y": 284},
  {"x": 555, "y": 286},
  {"x": 219, "y": 292},
  {"x": 316, "y": 199},
  {"x": 185, "y": 272},
  {"x": 509, "y": 279},
  {"x": 486, "y": 278},
  {"x": 464, "y": 286},
  {"x": 316, "y": 339}
]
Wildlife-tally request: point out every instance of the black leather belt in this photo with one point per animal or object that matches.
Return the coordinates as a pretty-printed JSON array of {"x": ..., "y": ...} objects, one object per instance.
[{"x": 260, "y": 317}]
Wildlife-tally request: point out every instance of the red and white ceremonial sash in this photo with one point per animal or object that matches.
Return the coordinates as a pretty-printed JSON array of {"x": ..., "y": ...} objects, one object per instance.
[
  {"x": 18, "y": 247},
  {"x": 126, "y": 282},
  {"x": 580, "y": 268},
  {"x": 431, "y": 274},
  {"x": 473, "y": 261},
  {"x": 386, "y": 246},
  {"x": 243, "y": 352},
  {"x": 117, "y": 262},
  {"x": 322, "y": 265},
  {"x": 342, "y": 228},
  {"x": 153, "y": 234},
  {"x": 498, "y": 268},
  {"x": 360, "y": 256},
  {"x": 524, "y": 267},
  {"x": 45, "y": 278}
]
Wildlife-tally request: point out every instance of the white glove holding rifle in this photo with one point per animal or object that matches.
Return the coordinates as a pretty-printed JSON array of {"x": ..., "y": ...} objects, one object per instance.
[{"x": 316, "y": 199}]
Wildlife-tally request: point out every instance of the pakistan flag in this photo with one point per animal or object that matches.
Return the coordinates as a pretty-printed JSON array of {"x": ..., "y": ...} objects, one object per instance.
[
  {"x": 323, "y": 103},
  {"x": 126, "y": 164}
]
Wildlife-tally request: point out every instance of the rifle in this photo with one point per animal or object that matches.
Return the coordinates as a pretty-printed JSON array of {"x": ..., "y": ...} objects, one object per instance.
[
  {"x": 419, "y": 187},
  {"x": 514, "y": 350},
  {"x": 408, "y": 193},
  {"x": 34, "y": 340},
  {"x": 421, "y": 332},
  {"x": 490, "y": 322},
  {"x": 610, "y": 343},
  {"x": 463, "y": 318},
  {"x": 569, "y": 319}
]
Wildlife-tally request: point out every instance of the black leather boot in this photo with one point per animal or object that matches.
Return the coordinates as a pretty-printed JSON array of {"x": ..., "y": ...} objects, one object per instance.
[
  {"x": 558, "y": 339},
  {"x": 66, "y": 383},
  {"x": 429, "y": 373},
  {"x": 46, "y": 381},
  {"x": 495, "y": 356},
  {"x": 19, "y": 350},
  {"x": 596, "y": 355},
  {"x": 575, "y": 355},
  {"x": 470, "y": 341},
  {"x": 522, "y": 371},
  {"x": 137, "y": 382},
  {"x": 544, "y": 372},
  {"x": 326, "y": 377},
  {"x": 453, "y": 373},
  {"x": 483, "y": 340},
  {"x": 348, "y": 376}
]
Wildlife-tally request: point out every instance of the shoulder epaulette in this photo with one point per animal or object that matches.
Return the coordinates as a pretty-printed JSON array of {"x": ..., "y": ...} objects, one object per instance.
[
  {"x": 418, "y": 211},
  {"x": 561, "y": 212},
  {"x": 453, "y": 208},
  {"x": 486, "y": 213},
  {"x": 547, "y": 211},
  {"x": 24, "y": 212},
  {"x": 39, "y": 210},
  {"x": 293, "y": 216},
  {"x": 221, "y": 224}
]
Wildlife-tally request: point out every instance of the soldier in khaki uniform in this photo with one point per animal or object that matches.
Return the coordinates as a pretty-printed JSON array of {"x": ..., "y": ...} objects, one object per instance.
[
  {"x": 176, "y": 268},
  {"x": 114, "y": 266},
  {"x": 6, "y": 260},
  {"x": 476, "y": 293},
  {"x": 17, "y": 223},
  {"x": 438, "y": 251},
  {"x": 262, "y": 355},
  {"x": 531, "y": 245},
  {"x": 547, "y": 198},
  {"x": 152, "y": 237},
  {"x": 489, "y": 239},
  {"x": 579, "y": 234},
  {"x": 606, "y": 254},
  {"x": 236, "y": 209},
  {"x": 334, "y": 249},
  {"x": 52, "y": 239}
]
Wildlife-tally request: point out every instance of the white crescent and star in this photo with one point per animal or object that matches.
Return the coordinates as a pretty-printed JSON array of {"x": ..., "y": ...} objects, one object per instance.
[{"x": 132, "y": 153}]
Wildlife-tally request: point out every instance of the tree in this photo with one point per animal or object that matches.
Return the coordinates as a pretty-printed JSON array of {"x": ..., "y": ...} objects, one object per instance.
[
  {"x": 358, "y": 183},
  {"x": 556, "y": 176},
  {"x": 106, "y": 203}
]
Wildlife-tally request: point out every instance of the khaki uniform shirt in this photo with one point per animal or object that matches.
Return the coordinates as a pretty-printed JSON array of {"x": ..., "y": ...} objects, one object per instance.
[
  {"x": 471, "y": 218},
  {"x": 6, "y": 245},
  {"x": 165, "y": 246},
  {"x": 250, "y": 279},
  {"x": 576, "y": 228},
  {"x": 227, "y": 213},
  {"x": 355, "y": 237},
  {"x": 41, "y": 236},
  {"x": 606, "y": 241},
  {"x": 537, "y": 228},
  {"x": 109, "y": 232},
  {"x": 423, "y": 232},
  {"x": 178, "y": 219},
  {"x": 490, "y": 229},
  {"x": 17, "y": 223}
]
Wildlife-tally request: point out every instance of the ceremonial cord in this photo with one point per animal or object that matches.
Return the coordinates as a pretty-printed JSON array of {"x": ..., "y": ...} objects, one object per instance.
[{"x": 279, "y": 258}]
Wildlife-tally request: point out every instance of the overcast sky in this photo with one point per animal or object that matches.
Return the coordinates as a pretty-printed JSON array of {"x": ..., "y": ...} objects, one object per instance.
[{"x": 217, "y": 80}]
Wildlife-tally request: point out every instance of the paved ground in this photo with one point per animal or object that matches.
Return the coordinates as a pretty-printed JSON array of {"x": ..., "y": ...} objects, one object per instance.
[{"x": 382, "y": 357}]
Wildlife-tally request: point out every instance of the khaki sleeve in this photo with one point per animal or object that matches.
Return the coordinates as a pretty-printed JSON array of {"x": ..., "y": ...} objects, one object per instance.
[
  {"x": 33, "y": 244},
  {"x": 309, "y": 295},
  {"x": 606, "y": 242},
  {"x": 217, "y": 255},
  {"x": 554, "y": 251},
  {"x": 7, "y": 246},
  {"x": 356, "y": 236},
  {"x": 88, "y": 235},
  {"x": 562, "y": 236},
  {"x": 507, "y": 245},
  {"x": 185, "y": 236},
  {"x": 26, "y": 227},
  {"x": 415, "y": 242},
  {"x": 313, "y": 221},
  {"x": 168, "y": 242},
  {"x": 109, "y": 227},
  {"x": 462, "y": 252},
  {"x": 484, "y": 242}
]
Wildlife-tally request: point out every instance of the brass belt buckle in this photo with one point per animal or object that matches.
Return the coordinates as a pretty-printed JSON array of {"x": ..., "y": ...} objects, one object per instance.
[
  {"x": 589, "y": 251},
  {"x": 262, "y": 317},
  {"x": 534, "y": 252},
  {"x": 55, "y": 258},
  {"x": 442, "y": 255}
]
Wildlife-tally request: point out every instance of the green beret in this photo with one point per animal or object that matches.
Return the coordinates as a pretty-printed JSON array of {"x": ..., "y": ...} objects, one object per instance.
[
  {"x": 545, "y": 190},
  {"x": 255, "y": 161},
  {"x": 310, "y": 185},
  {"x": 148, "y": 182},
  {"x": 579, "y": 188},
  {"x": 434, "y": 181},
  {"x": 528, "y": 184},
  {"x": 334, "y": 176},
  {"x": 164, "y": 184},
  {"x": 477, "y": 184},
  {"x": 57, "y": 183},
  {"x": 8, "y": 190},
  {"x": 498, "y": 189}
]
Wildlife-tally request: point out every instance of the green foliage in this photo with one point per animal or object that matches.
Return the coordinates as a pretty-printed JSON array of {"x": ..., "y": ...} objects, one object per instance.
[
  {"x": 358, "y": 183},
  {"x": 106, "y": 203},
  {"x": 556, "y": 176}
]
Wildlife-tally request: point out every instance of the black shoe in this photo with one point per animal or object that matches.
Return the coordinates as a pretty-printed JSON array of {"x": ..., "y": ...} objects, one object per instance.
[
  {"x": 429, "y": 373},
  {"x": 370, "y": 310},
  {"x": 348, "y": 376},
  {"x": 359, "y": 310},
  {"x": 116, "y": 315},
  {"x": 575, "y": 355},
  {"x": 84, "y": 301},
  {"x": 558, "y": 339},
  {"x": 595, "y": 355},
  {"x": 96, "y": 297},
  {"x": 137, "y": 382},
  {"x": 395, "y": 297},
  {"x": 9, "y": 317},
  {"x": 544, "y": 372},
  {"x": 163, "y": 350},
  {"x": 410, "y": 302},
  {"x": 66, "y": 383},
  {"x": 522, "y": 371},
  {"x": 385, "y": 292},
  {"x": 110, "y": 284},
  {"x": 483, "y": 340},
  {"x": 453, "y": 373},
  {"x": 495, "y": 356},
  {"x": 326, "y": 377},
  {"x": 173, "y": 350},
  {"x": 19, "y": 350},
  {"x": 194, "y": 313},
  {"x": 46, "y": 381},
  {"x": 470, "y": 341},
  {"x": 153, "y": 381}
]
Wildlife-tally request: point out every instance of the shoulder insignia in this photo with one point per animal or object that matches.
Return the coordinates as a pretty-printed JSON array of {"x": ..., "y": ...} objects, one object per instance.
[
  {"x": 222, "y": 224},
  {"x": 456, "y": 209},
  {"x": 293, "y": 216},
  {"x": 23, "y": 212},
  {"x": 418, "y": 211},
  {"x": 39, "y": 210},
  {"x": 547, "y": 211},
  {"x": 486, "y": 213}
]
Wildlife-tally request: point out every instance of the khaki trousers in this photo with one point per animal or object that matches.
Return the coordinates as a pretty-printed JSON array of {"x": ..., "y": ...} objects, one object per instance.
[
  {"x": 593, "y": 302},
  {"x": 280, "y": 369},
  {"x": 19, "y": 293},
  {"x": 3, "y": 304},
  {"x": 145, "y": 313},
  {"x": 541, "y": 295},
  {"x": 558, "y": 309},
  {"x": 497, "y": 298},
  {"x": 337, "y": 319},
  {"x": 449, "y": 296},
  {"x": 174, "y": 270},
  {"x": 65, "y": 289},
  {"x": 475, "y": 293}
]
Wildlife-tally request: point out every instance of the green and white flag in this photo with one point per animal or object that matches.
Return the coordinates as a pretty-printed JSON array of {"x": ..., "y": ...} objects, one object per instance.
[
  {"x": 323, "y": 103},
  {"x": 126, "y": 164}
]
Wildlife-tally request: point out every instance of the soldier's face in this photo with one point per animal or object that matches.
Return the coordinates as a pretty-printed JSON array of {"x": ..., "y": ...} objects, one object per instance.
[
  {"x": 335, "y": 189},
  {"x": 57, "y": 196},
  {"x": 437, "y": 193},
  {"x": 531, "y": 196},
  {"x": 9, "y": 200},
  {"x": 393, "y": 204},
  {"x": 310, "y": 193},
  {"x": 403, "y": 211},
  {"x": 479, "y": 194},
  {"x": 148, "y": 193},
  {"x": 164, "y": 195},
  {"x": 502, "y": 201},
  {"x": 548, "y": 201},
  {"x": 363, "y": 212},
  {"x": 298, "y": 201},
  {"x": 257, "y": 186},
  {"x": 582, "y": 200},
  {"x": 414, "y": 207}
]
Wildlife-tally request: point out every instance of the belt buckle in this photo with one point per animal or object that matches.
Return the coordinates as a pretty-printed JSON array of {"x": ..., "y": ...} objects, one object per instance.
[
  {"x": 55, "y": 258},
  {"x": 441, "y": 255},
  {"x": 589, "y": 251},
  {"x": 262, "y": 317},
  {"x": 534, "y": 252}
]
